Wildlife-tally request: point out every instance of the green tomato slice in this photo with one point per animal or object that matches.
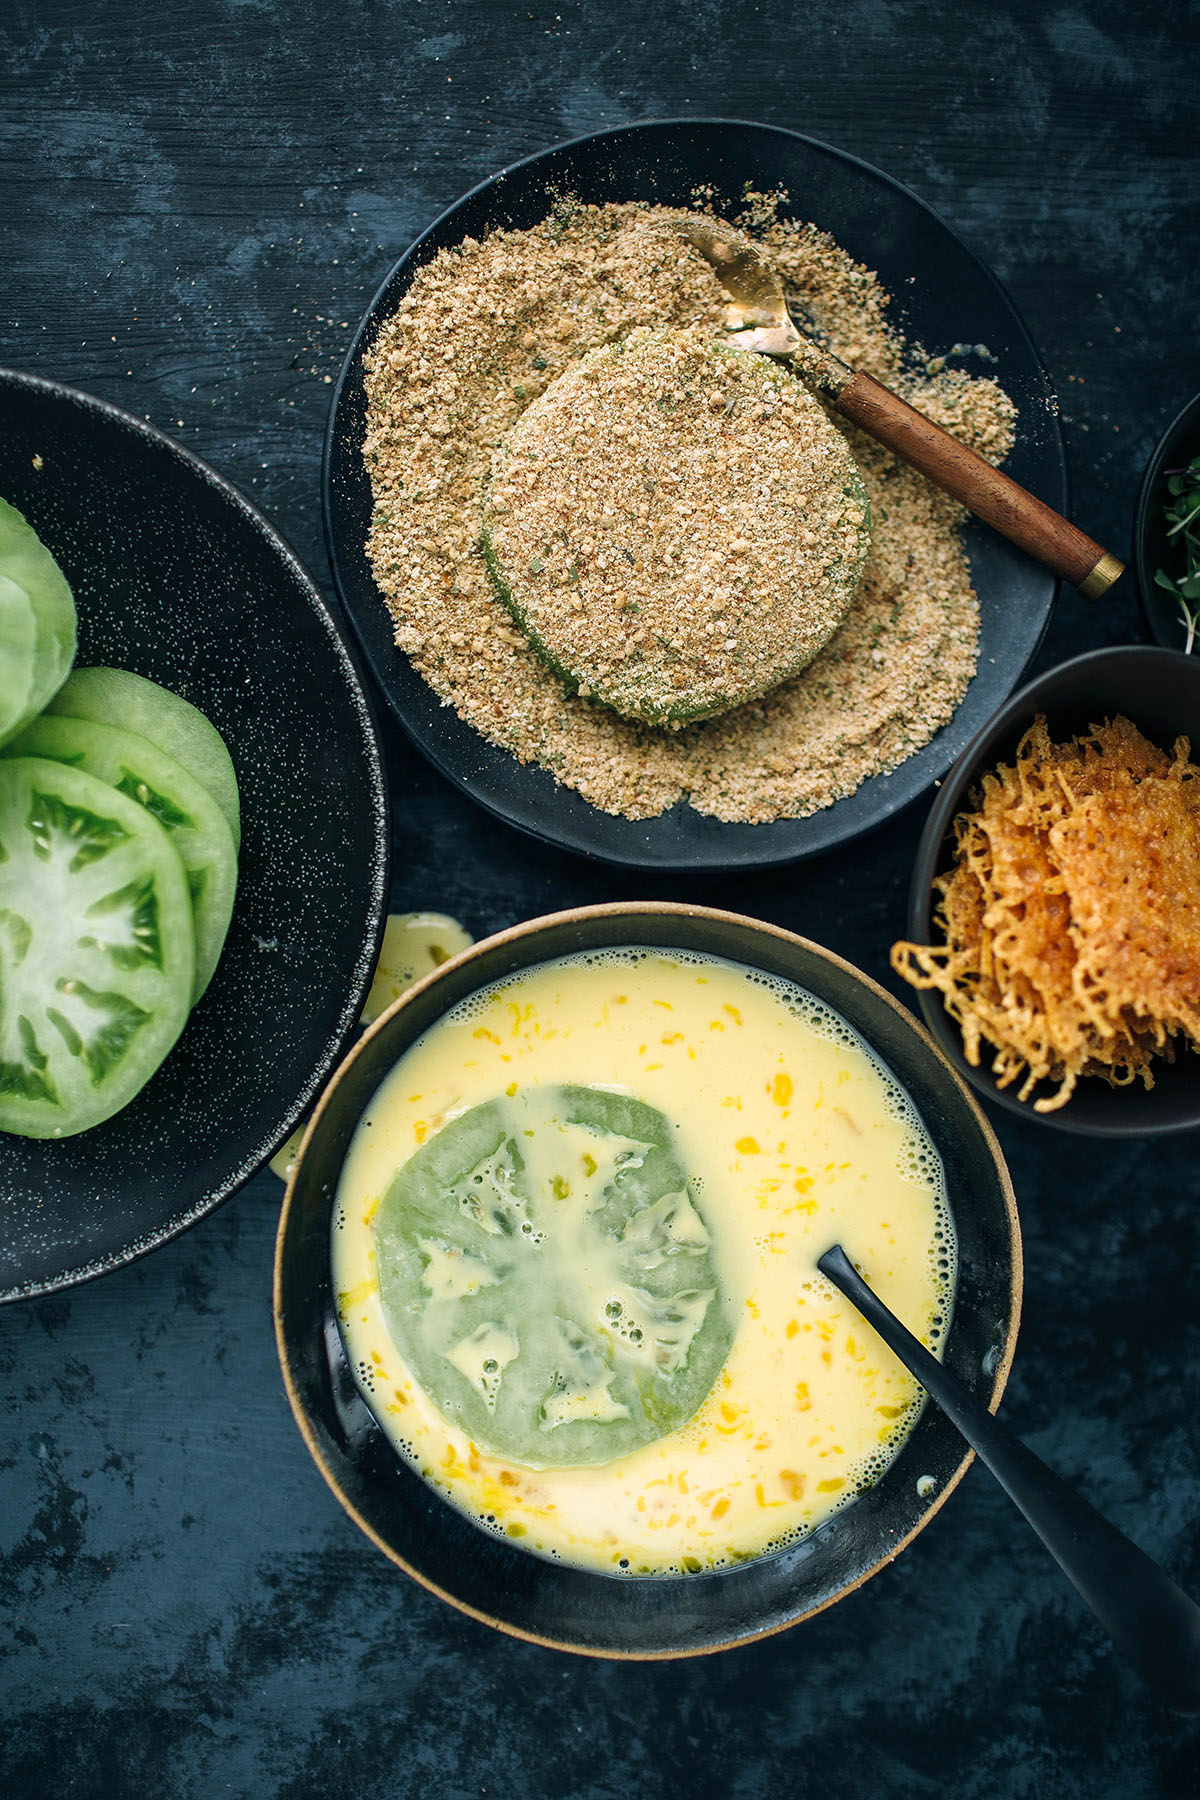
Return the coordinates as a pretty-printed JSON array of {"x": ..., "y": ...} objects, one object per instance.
[
  {"x": 25, "y": 561},
  {"x": 96, "y": 948},
  {"x": 182, "y": 805},
  {"x": 119, "y": 697},
  {"x": 18, "y": 656},
  {"x": 546, "y": 1273}
]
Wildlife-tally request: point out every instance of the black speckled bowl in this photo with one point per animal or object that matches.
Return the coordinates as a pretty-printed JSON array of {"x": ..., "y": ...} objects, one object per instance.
[
  {"x": 178, "y": 578},
  {"x": 573, "y": 1609},
  {"x": 1177, "y": 446},
  {"x": 1160, "y": 691}
]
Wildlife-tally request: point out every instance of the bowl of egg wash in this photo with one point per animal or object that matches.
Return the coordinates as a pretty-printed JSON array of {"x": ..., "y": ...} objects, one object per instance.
[{"x": 546, "y": 1294}]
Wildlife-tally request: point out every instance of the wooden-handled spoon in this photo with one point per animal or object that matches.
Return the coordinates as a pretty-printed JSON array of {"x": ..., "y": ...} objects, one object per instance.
[
  {"x": 758, "y": 319},
  {"x": 1152, "y": 1621}
]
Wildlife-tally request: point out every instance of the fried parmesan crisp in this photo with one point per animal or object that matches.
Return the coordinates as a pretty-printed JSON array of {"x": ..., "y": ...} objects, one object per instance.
[{"x": 1071, "y": 915}]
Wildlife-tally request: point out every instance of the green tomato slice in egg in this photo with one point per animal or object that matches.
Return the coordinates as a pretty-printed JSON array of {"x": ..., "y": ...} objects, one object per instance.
[
  {"x": 547, "y": 1274},
  {"x": 97, "y": 950}
]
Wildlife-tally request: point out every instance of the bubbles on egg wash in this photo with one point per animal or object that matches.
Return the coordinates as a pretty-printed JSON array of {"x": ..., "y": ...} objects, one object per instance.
[{"x": 525, "y": 1009}]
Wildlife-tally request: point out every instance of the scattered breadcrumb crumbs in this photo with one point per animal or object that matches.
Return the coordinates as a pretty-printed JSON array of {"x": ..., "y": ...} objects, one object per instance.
[
  {"x": 1071, "y": 916},
  {"x": 484, "y": 329}
]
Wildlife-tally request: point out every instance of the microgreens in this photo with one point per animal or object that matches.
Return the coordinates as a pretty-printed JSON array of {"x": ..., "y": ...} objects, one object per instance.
[{"x": 1182, "y": 514}]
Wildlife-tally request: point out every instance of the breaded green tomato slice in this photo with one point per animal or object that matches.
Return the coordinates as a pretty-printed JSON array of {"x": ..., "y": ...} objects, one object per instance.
[
  {"x": 119, "y": 697},
  {"x": 29, "y": 566},
  {"x": 676, "y": 525},
  {"x": 547, "y": 1275},
  {"x": 97, "y": 955},
  {"x": 183, "y": 806}
]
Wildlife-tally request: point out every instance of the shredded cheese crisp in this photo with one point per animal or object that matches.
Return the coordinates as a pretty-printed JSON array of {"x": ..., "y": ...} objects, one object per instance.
[{"x": 1071, "y": 916}]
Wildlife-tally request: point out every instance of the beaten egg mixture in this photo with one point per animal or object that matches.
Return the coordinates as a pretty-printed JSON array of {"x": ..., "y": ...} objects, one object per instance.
[{"x": 794, "y": 1136}]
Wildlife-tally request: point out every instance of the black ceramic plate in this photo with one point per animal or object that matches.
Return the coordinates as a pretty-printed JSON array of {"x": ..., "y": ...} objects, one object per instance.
[
  {"x": 178, "y": 578},
  {"x": 1152, "y": 549},
  {"x": 943, "y": 296},
  {"x": 1160, "y": 691},
  {"x": 573, "y": 1609}
]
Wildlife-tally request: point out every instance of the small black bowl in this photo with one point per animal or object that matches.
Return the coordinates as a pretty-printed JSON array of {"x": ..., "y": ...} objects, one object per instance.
[
  {"x": 1177, "y": 446},
  {"x": 178, "y": 578},
  {"x": 1160, "y": 691},
  {"x": 575, "y": 1609}
]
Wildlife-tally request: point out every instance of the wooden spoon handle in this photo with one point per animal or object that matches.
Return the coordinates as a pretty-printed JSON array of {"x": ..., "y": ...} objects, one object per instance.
[{"x": 991, "y": 495}]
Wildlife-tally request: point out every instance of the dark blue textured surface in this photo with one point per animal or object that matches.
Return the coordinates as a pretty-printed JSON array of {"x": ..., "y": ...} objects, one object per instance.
[{"x": 198, "y": 202}]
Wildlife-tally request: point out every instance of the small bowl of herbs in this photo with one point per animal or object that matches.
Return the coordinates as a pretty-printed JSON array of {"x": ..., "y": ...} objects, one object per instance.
[{"x": 1166, "y": 534}]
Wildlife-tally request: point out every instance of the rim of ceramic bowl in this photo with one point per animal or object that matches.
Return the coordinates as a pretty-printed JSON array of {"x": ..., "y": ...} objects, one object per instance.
[
  {"x": 633, "y": 911},
  {"x": 932, "y": 857},
  {"x": 1164, "y": 622}
]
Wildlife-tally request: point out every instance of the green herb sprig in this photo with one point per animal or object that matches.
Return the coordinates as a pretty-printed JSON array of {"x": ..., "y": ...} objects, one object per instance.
[{"x": 1182, "y": 515}]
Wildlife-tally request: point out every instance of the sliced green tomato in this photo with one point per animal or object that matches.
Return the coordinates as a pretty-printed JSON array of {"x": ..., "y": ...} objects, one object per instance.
[
  {"x": 546, "y": 1273},
  {"x": 25, "y": 561},
  {"x": 18, "y": 656},
  {"x": 97, "y": 957},
  {"x": 118, "y": 697},
  {"x": 183, "y": 807}
]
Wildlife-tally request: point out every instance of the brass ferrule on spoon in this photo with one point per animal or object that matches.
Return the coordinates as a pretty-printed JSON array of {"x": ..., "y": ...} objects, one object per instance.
[{"x": 758, "y": 320}]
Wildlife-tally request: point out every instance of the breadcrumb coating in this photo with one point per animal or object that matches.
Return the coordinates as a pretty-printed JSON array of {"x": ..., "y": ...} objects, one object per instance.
[
  {"x": 483, "y": 330},
  {"x": 676, "y": 525}
]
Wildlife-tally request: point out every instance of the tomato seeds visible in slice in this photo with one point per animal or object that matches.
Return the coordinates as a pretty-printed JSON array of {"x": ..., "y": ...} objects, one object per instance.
[
  {"x": 119, "y": 697},
  {"x": 183, "y": 807},
  {"x": 97, "y": 956},
  {"x": 25, "y": 561},
  {"x": 546, "y": 1272}
]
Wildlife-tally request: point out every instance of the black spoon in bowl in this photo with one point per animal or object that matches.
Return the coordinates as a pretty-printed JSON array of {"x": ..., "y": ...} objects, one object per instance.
[{"x": 1150, "y": 1619}]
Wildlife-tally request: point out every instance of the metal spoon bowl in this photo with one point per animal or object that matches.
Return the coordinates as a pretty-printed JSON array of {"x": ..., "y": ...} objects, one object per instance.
[{"x": 757, "y": 319}]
